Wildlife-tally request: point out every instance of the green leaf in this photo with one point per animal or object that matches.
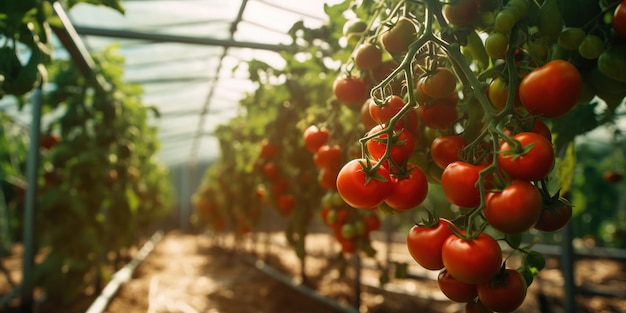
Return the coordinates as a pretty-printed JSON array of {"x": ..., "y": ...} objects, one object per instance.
[{"x": 565, "y": 168}]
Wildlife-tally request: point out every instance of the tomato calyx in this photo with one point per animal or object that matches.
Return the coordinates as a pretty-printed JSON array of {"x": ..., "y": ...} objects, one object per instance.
[
  {"x": 371, "y": 172},
  {"x": 431, "y": 220},
  {"x": 552, "y": 202}
]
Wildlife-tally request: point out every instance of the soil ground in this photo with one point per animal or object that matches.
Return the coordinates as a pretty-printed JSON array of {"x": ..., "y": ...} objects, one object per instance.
[{"x": 198, "y": 273}]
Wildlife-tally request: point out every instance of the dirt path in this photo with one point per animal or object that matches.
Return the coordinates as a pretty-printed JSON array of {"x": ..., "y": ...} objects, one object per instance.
[{"x": 186, "y": 274}]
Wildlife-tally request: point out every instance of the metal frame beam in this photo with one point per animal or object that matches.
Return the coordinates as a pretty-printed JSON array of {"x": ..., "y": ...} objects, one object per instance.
[{"x": 155, "y": 37}]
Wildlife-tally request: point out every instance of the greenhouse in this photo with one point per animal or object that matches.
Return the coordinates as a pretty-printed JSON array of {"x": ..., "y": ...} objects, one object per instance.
[{"x": 350, "y": 156}]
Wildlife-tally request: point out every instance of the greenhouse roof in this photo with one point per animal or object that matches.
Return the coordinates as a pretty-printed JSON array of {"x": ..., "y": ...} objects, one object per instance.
[{"x": 184, "y": 54}]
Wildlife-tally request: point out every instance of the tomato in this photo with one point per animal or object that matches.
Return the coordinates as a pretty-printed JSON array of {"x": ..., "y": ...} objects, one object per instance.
[
  {"x": 285, "y": 204},
  {"x": 363, "y": 190},
  {"x": 542, "y": 129},
  {"x": 496, "y": 45},
  {"x": 441, "y": 113},
  {"x": 445, "y": 149},
  {"x": 409, "y": 191},
  {"x": 472, "y": 261},
  {"x": 328, "y": 157},
  {"x": 368, "y": 56},
  {"x": 47, "y": 141},
  {"x": 612, "y": 176},
  {"x": 279, "y": 186},
  {"x": 383, "y": 113},
  {"x": 532, "y": 161},
  {"x": 504, "y": 293},
  {"x": 498, "y": 92},
  {"x": 515, "y": 209},
  {"x": 476, "y": 307},
  {"x": 458, "y": 182},
  {"x": 441, "y": 83},
  {"x": 398, "y": 38},
  {"x": 315, "y": 137},
  {"x": 366, "y": 118},
  {"x": 619, "y": 19},
  {"x": 553, "y": 219},
  {"x": 347, "y": 246},
  {"x": 372, "y": 222},
  {"x": 402, "y": 145},
  {"x": 328, "y": 178},
  {"x": 425, "y": 243},
  {"x": 551, "y": 90},
  {"x": 455, "y": 290},
  {"x": 270, "y": 169},
  {"x": 462, "y": 12},
  {"x": 350, "y": 90}
]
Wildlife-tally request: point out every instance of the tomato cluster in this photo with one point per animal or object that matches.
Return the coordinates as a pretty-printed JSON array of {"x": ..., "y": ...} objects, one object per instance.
[{"x": 475, "y": 116}]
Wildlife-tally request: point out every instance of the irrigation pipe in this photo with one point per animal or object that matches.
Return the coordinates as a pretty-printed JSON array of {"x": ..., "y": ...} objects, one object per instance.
[{"x": 123, "y": 275}]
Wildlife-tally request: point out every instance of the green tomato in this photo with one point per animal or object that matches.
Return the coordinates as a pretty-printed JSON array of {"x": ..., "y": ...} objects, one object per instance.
[
  {"x": 591, "y": 47},
  {"x": 570, "y": 38}
]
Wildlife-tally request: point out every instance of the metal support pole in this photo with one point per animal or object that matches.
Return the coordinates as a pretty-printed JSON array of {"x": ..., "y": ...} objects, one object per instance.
[
  {"x": 185, "y": 196},
  {"x": 32, "y": 172},
  {"x": 567, "y": 268},
  {"x": 358, "y": 267}
]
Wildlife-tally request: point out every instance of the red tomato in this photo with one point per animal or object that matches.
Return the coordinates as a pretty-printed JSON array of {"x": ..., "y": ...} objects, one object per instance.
[
  {"x": 462, "y": 12},
  {"x": 285, "y": 204},
  {"x": 361, "y": 190},
  {"x": 409, "y": 191},
  {"x": 400, "y": 36},
  {"x": 455, "y": 290},
  {"x": 472, "y": 261},
  {"x": 366, "y": 118},
  {"x": 328, "y": 178},
  {"x": 551, "y": 90},
  {"x": 268, "y": 150},
  {"x": 315, "y": 137},
  {"x": 347, "y": 246},
  {"x": 47, "y": 141},
  {"x": 458, "y": 182},
  {"x": 383, "y": 113},
  {"x": 441, "y": 83},
  {"x": 445, "y": 149},
  {"x": 552, "y": 220},
  {"x": 440, "y": 113},
  {"x": 350, "y": 90},
  {"x": 425, "y": 243},
  {"x": 515, "y": 209},
  {"x": 541, "y": 128},
  {"x": 270, "y": 170},
  {"x": 328, "y": 157},
  {"x": 533, "y": 162},
  {"x": 402, "y": 145},
  {"x": 504, "y": 293},
  {"x": 372, "y": 222},
  {"x": 619, "y": 19}
]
